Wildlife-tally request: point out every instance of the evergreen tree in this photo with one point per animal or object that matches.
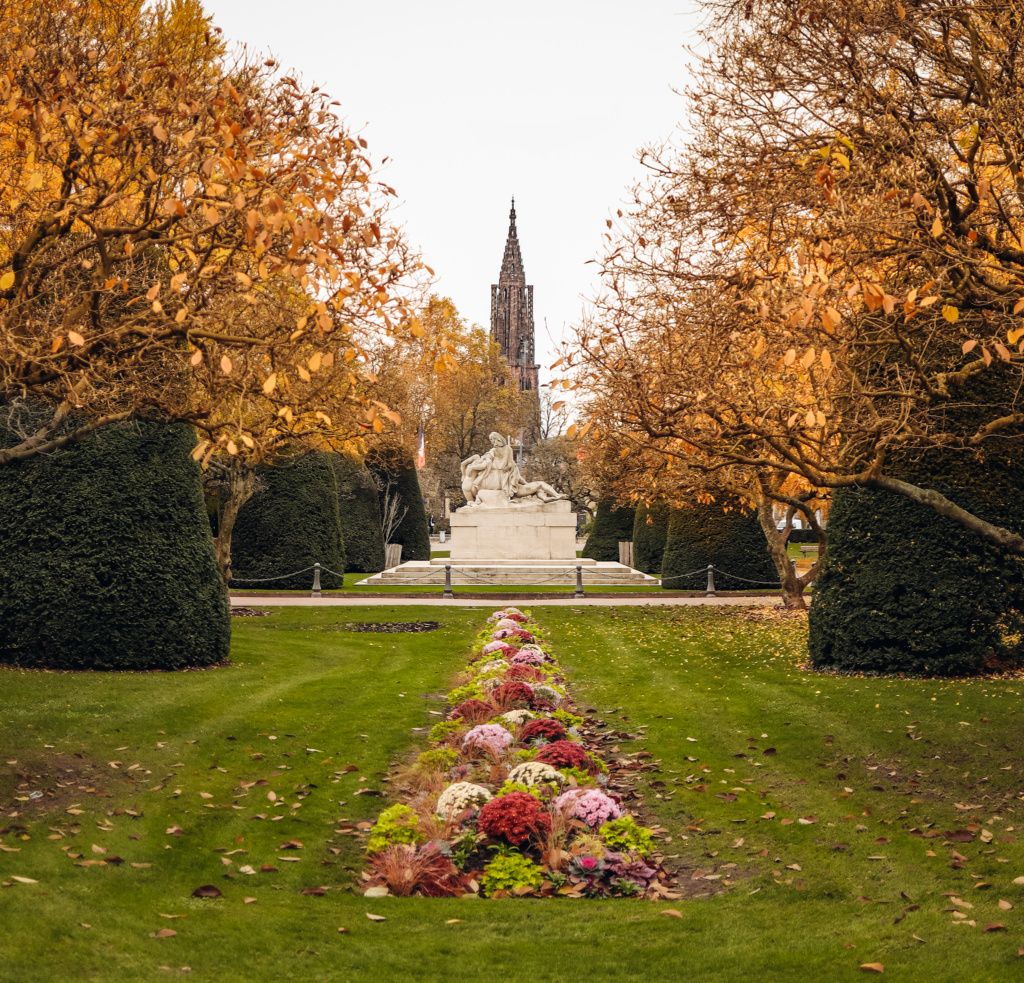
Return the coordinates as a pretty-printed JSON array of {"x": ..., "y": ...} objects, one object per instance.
[
  {"x": 612, "y": 525},
  {"x": 359, "y": 512},
  {"x": 650, "y": 530},
  {"x": 289, "y": 525},
  {"x": 108, "y": 560},
  {"x": 397, "y": 476},
  {"x": 706, "y": 533}
]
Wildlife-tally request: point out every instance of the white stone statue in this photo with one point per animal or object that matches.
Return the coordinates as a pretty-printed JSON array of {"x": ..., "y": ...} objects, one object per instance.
[{"x": 492, "y": 480}]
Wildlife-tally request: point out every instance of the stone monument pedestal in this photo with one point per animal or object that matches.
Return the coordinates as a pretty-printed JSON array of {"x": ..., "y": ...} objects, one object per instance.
[{"x": 527, "y": 531}]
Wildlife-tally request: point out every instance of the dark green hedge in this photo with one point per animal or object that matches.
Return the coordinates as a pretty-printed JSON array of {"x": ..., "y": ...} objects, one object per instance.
[
  {"x": 412, "y": 532},
  {"x": 803, "y": 536},
  {"x": 107, "y": 557},
  {"x": 612, "y": 525},
  {"x": 706, "y": 533},
  {"x": 359, "y": 512},
  {"x": 904, "y": 589},
  {"x": 290, "y": 524},
  {"x": 649, "y": 537}
]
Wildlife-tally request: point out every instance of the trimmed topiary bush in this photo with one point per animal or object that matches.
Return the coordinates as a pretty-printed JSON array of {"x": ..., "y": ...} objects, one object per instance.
[
  {"x": 412, "y": 532},
  {"x": 704, "y": 534},
  {"x": 289, "y": 525},
  {"x": 904, "y": 589},
  {"x": 649, "y": 537},
  {"x": 359, "y": 514},
  {"x": 612, "y": 525},
  {"x": 107, "y": 557}
]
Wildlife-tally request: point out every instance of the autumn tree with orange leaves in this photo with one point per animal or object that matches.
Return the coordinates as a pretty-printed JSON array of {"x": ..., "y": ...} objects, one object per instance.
[
  {"x": 185, "y": 235},
  {"x": 822, "y": 285}
]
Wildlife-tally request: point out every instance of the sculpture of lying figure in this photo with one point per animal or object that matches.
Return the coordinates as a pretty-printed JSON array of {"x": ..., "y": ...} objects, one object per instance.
[{"x": 496, "y": 470}]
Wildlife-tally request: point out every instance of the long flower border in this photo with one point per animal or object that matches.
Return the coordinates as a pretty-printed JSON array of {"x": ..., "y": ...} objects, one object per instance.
[{"x": 510, "y": 799}]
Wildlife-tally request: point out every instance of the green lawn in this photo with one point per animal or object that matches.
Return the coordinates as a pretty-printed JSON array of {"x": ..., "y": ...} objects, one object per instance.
[{"x": 804, "y": 901}]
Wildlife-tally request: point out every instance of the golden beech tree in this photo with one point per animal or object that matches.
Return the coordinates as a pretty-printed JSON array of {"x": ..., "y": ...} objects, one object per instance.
[
  {"x": 184, "y": 236},
  {"x": 826, "y": 280},
  {"x": 448, "y": 377}
]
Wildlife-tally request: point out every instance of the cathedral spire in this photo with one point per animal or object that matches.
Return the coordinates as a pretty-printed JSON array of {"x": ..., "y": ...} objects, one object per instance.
[
  {"x": 512, "y": 262},
  {"x": 512, "y": 311}
]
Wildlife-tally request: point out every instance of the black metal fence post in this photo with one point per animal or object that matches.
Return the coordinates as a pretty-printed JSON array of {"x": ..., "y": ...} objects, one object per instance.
[
  {"x": 448, "y": 592},
  {"x": 579, "y": 581},
  {"x": 316, "y": 580},
  {"x": 711, "y": 581}
]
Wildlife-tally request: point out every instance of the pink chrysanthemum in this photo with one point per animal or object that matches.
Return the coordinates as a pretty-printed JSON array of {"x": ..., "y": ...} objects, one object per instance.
[
  {"x": 588, "y": 805},
  {"x": 488, "y": 737},
  {"x": 529, "y": 658}
]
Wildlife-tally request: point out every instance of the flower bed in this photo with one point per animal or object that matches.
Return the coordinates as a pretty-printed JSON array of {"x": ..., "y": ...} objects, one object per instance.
[{"x": 510, "y": 800}]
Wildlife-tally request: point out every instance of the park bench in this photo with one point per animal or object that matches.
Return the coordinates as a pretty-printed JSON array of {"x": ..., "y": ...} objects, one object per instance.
[{"x": 808, "y": 547}]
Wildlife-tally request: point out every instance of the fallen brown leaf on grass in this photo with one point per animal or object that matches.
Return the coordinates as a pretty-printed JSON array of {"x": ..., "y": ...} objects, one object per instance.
[
  {"x": 249, "y": 900},
  {"x": 995, "y": 927},
  {"x": 206, "y": 891},
  {"x": 165, "y": 933},
  {"x": 343, "y": 931},
  {"x": 672, "y": 912},
  {"x": 376, "y": 918},
  {"x": 1005, "y": 905},
  {"x": 23, "y": 880},
  {"x": 873, "y": 967}
]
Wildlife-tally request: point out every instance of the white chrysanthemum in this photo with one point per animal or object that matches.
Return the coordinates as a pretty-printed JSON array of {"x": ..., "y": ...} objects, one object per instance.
[
  {"x": 506, "y": 623},
  {"x": 534, "y": 773},
  {"x": 460, "y": 797},
  {"x": 551, "y": 693},
  {"x": 517, "y": 717},
  {"x": 490, "y": 685},
  {"x": 491, "y": 666}
]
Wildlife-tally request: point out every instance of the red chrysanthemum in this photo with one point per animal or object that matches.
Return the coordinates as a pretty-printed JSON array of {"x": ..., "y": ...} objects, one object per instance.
[
  {"x": 522, "y": 636},
  {"x": 547, "y": 728},
  {"x": 516, "y": 818},
  {"x": 526, "y": 673},
  {"x": 566, "y": 754},
  {"x": 513, "y": 694},
  {"x": 474, "y": 711}
]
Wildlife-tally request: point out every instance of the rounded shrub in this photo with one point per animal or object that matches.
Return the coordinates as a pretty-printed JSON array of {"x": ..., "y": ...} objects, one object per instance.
[
  {"x": 903, "y": 589},
  {"x": 612, "y": 525},
  {"x": 359, "y": 514},
  {"x": 706, "y": 533},
  {"x": 290, "y": 524},
  {"x": 107, "y": 556},
  {"x": 650, "y": 530}
]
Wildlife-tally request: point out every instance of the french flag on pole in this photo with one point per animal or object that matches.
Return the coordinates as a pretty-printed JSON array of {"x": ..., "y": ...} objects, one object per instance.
[{"x": 421, "y": 454}]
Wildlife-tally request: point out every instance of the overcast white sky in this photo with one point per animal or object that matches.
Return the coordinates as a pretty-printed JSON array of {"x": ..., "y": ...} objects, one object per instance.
[{"x": 474, "y": 102}]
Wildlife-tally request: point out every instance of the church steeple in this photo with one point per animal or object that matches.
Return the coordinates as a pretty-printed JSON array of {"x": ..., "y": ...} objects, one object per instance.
[
  {"x": 512, "y": 312},
  {"x": 512, "y": 262}
]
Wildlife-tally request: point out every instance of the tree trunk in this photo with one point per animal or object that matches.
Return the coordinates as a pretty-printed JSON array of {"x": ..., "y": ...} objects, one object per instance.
[
  {"x": 792, "y": 585},
  {"x": 241, "y": 484}
]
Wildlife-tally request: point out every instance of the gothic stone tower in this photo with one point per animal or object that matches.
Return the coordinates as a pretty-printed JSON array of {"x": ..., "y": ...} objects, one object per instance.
[{"x": 512, "y": 313}]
